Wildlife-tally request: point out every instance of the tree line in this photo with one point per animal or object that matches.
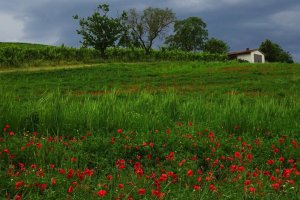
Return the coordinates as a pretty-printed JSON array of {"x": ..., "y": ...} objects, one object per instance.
[{"x": 134, "y": 29}]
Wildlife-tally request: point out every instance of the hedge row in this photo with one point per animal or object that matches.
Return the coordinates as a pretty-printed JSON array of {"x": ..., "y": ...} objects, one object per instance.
[
  {"x": 16, "y": 56},
  {"x": 172, "y": 55}
]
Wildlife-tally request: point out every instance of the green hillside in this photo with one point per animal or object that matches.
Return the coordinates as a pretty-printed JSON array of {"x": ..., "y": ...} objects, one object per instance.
[
  {"x": 152, "y": 130},
  {"x": 263, "y": 85}
]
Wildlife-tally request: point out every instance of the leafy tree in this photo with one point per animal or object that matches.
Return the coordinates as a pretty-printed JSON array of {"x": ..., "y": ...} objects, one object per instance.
[
  {"x": 145, "y": 27},
  {"x": 216, "y": 46},
  {"x": 274, "y": 53},
  {"x": 99, "y": 30},
  {"x": 286, "y": 57},
  {"x": 190, "y": 35}
]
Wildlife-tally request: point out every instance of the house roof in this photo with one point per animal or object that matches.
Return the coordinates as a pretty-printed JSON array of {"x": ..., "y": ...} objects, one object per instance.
[{"x": 247, "y": 51}]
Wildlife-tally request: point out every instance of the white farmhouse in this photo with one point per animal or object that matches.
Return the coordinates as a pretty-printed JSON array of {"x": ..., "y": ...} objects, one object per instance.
[{"x": 250, "y": 55}]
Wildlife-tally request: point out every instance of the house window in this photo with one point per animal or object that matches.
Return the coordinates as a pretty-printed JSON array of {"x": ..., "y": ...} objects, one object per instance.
[{"x": 257, "y": 58}]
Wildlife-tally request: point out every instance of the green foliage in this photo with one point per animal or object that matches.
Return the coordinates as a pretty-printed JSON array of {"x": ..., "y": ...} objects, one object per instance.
[
  {"x": 144, "y": 28},
  {"x": 190, "y": 35},
  {"x": 216, "y": 46},
  {"x": 99, "y": 30},
  {"x": 274, "y": 53},
  {"x": 123, "y": 54},
  {"x": 24, "y": 55},
  {"x": 16, "y": 56}
]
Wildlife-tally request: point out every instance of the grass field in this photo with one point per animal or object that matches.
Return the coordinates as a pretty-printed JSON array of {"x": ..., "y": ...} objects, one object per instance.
[{"x": 172, "y": 130}]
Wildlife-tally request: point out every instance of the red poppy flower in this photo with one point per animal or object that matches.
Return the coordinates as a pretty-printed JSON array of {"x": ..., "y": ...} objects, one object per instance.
[
  {"x": 251, "y": 189},
  {"x": 43, "y": 186},
  {"x": 120, "y": 131},
  {"x": 73, "y": 159},
  {"x": 247, "y": 182},
  {"x": 286, "y": 173},
  {"x": 196, "y": 187},
  {"x": 273, "y": 178},
  {"x": 292, "y": 182},
  {"x": 141, "y": 191},
  {"x": 275, "y": 186},
  {"x": 70, "y": 189},
  {"x": 62, "y": 171},
  {"x": 199, "y": 179},
  {"x": 109, "y": 177},
  {"x": 237, "y": 154},
  {"x": 190, "y": 172},
  {"x": 158, "y": 194},
  {"x": 241, "y": 168},
  {"x": 233, "y": 168},
  {"x": 18, "y": 197},
  {"x": 171, "y": 156},
  {"x": 168, "y": 131},
  {"x": 19, "y": 184},
  {"x": 163, "y": 177},
  {"x": 270, "y": 162},
  {"x": 33, "y": 166},
  {"x": 212, "y": 187},
  {"x": 102, "y": 193},
  {"x": 70, "y": 173},
  {"x": 38, "y": 145},
  {"x": 281, "y": 159},
  {"x": 112, "y": 141},
  {"x": 249, "y": 157},
  {"x": 53, "y": 181}
]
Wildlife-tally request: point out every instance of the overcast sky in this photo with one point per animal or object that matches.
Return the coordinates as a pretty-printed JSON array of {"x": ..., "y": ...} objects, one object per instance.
[{"x": 240, "y": 23}]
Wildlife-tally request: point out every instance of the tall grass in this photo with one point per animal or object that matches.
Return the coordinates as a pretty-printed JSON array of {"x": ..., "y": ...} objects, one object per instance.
[{"x": 57, "y": 112}]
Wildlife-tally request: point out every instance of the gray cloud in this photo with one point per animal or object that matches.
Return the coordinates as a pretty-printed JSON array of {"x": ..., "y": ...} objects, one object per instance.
[{"x": 241, "y": 23}]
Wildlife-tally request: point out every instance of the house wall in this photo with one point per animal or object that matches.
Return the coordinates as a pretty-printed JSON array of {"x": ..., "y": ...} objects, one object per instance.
[
  {"x": 250, "y": 57},
  {"x": 258, "y": 53},
  {"x": 246, "y": 57}
]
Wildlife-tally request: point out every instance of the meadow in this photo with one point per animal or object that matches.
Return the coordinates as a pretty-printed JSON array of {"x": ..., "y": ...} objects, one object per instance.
[{"x": 162, "y": 130}]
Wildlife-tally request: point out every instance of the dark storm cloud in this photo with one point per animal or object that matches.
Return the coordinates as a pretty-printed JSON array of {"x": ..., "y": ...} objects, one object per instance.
[{"x": 241, "y": 23}]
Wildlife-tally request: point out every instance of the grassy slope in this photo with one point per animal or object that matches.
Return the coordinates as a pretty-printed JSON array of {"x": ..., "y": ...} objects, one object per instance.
[
  {"x": 154, "y": 95},
  {"x": 241, "y": 103},
  {"x": 202, "y": 78}
]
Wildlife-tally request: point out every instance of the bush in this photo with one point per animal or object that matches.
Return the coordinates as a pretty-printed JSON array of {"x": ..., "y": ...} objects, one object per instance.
[{"x": 15, "y": 56}]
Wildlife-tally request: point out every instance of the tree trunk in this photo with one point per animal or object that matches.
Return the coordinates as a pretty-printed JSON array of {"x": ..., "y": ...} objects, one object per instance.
[
  {"x": 147, "y": 51},
  {"x": 102, "y": 53}
]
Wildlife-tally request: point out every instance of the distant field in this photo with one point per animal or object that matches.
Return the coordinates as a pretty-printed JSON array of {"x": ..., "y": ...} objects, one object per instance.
[{"x": 152, "y": 130}]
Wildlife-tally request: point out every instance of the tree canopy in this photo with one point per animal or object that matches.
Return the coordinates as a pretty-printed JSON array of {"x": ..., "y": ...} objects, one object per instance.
[
  {"x": 140, "y": 30},
  {"x": 190, "y": 35},
  {"x": 99, "y": 30},
  {"x": 145, "y": 27},
  {"x": 274, "y": 53},
  {"x": 214, "y": 45}
]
